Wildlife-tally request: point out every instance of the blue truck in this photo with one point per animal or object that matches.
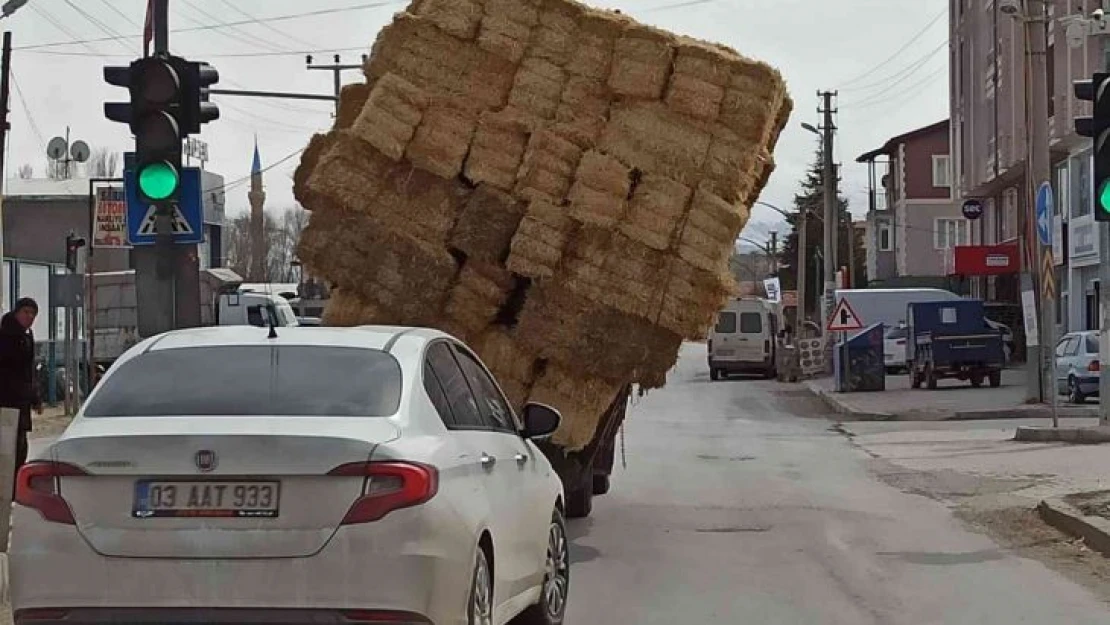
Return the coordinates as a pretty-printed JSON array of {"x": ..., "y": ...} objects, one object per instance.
[{"x": 952, "y": 339}]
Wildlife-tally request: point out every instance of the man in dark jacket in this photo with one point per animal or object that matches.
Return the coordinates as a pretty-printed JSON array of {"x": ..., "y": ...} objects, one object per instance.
[{"x": 18, "y": 388}]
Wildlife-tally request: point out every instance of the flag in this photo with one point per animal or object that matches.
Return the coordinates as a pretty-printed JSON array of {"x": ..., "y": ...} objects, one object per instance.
[{"x": 148, "y": 27}]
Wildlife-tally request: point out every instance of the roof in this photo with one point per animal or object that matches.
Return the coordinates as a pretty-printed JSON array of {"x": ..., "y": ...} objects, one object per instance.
[
  {"x": 367, "y": 337},
  {"x": 892, "y": 144},
  {"x": 46, "y": 187},
  {"x": 256, "y": 163}
]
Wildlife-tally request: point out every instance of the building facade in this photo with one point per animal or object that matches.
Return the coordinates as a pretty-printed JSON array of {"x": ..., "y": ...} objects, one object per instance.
[
  {"x": 990, "y": 149},
  {"x": 914, "y": 222}
]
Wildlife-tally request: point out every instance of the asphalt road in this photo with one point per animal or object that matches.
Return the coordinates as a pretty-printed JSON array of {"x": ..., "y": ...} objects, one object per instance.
[{"x": 739, "y": 504}]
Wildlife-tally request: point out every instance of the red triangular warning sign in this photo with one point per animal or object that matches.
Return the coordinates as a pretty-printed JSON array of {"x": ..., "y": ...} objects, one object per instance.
[{"x": 843, "y": 318}]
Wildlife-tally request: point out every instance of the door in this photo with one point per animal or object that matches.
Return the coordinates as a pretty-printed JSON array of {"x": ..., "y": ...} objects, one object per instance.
[
  {"x": 493, "y": 462},
  {"x": 724, "y": 339},
  {"x": 751, "y": 341},
  {"x": 524, "y": 502},
  {"x": 1066, "y": 351}
]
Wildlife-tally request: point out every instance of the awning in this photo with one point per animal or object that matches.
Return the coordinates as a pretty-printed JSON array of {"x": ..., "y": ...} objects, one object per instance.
[{"x": 987, "y": 260}]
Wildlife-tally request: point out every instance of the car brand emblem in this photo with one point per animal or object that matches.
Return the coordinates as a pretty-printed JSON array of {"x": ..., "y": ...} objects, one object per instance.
[{"x": 206, "y": 460}]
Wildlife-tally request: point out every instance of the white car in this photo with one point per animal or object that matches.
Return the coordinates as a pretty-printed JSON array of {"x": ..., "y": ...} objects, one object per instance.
[{"x": 367, "y": 475}]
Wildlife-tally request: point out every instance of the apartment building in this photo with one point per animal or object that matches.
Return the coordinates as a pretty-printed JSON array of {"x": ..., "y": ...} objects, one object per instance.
[
  {"x": 989, "y": 139},
  {"x": 913, "y": 222}
]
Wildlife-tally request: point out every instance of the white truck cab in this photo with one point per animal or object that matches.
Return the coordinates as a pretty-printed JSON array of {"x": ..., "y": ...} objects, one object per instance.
[{"x": 744, "y": 339}]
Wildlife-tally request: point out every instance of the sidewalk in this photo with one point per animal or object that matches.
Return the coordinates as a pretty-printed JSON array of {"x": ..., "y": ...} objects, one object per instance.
[{"x": 954, "y": 400}]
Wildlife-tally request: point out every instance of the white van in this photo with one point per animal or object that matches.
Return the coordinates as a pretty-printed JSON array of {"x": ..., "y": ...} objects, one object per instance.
[{"x": 743, "y": 340}]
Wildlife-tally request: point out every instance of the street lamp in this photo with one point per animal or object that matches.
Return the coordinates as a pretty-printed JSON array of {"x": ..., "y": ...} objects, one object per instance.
[
  {"x": 811, "y": 128},
  {"x": 11, "y": 6}
]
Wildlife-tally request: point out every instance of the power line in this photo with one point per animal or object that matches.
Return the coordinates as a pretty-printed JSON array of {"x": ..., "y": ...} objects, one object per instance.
[
  {"x": 202, "y": 27},
  {"x": 123, "y": 15},
  {"x": 268, "y": 26},
  {"x": 27, "y": 109},
  {"x": 904, "y": 94},
  {"x": 49, "y": 17},
  {"x": 912, "y": 67},
  {"x": 242, "y": 32},
  {"x": 904, "y": 47},
  {"x": 239, "y": 181},
  {"x": 226, "y": 55},
  {"x": 100, "y": 25}
]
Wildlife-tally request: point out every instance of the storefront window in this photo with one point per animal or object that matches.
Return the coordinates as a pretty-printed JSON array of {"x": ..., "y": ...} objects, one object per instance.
[{"x": 1081, "y": 185}]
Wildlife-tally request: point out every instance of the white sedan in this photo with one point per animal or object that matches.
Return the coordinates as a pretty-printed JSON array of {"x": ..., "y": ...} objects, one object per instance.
[{"x": 367, "y": 475}]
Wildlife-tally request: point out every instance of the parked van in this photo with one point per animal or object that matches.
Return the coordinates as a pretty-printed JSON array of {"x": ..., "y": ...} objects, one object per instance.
[{"x": 743, "y": 340}]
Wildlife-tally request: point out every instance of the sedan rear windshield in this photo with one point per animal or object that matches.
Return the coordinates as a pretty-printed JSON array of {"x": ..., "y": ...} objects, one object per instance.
[
  {"x": 256, "y": 380},
  {"x": 1092, "y": 344}
]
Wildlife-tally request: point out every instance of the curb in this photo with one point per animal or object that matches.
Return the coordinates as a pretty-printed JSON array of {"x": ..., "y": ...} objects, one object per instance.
[
  {"x": 4, "y": 598},
  {"x": 1094, "y": 531},
  {"x": 839, "y": 407},
  {"x": 1079, "y": 436}
]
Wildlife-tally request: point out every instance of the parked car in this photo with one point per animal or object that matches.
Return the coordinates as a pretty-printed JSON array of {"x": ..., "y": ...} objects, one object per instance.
[
  {"x": 240, "y": 475},
  {"x": 1078, "y": 367},
  {"x": 894, "y": 349},
  {"x": 745, "y": 338}
]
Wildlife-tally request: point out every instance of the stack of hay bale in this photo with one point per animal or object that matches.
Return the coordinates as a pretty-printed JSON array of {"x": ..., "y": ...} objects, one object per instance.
[{"x": 560, "y": 187}]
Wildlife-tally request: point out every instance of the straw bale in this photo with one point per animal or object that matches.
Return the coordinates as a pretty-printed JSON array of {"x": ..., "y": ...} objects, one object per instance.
[
  {"x": 525, "y": 12},
  {"x": 754, "y": 102},
  {"x": 318, "y": 146},
  {"x": 656, "y": 208},
  {"x": 582, "y": 401},
  {"x": 712, "y": 225},
  {"x": 346, "y": 310},
  {"x": 348, "y": 176},
  {"x": 695, "y": 97},
  {"x": 548, "y": 167},
  {"x": 537, "y": 248},
  {"x": 732, "y": 167},
  {"x": 583, "y": 111},
  {"x": 655, "y": 139},
  {"x": 702, "y": 61},
  {"x": 616, "y": 271},
  {"x": 390, "y": 116},
  {"x": 597, "y": 340},
  {"x": 497, "y": 150},
  {"x": 557, "y": 32},
  {"x": 442, "y": 139},
  {"x": 507, "y": 27},
  {"x": 692, "y": 299},
  {"x": 420, "y": 203},
  {"x": 601, "y": 188},
  {"x": 477, "y": 296},
  {"x": 486, "y": 225},
  {"x": 509, "y": 363},
  {"x": 457, "y": 17},
  {"x": 351, "y": 100},
  {"x": 642, "y": 63},
  {"x": 537, "y": 88}
]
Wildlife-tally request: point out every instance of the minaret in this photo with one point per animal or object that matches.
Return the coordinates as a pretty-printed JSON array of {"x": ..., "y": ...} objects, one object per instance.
[{"x": 259, "y": 244}]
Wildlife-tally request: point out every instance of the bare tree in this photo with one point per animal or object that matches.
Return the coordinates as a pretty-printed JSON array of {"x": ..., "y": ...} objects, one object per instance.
[
  {"x": 282, "y": 235},
  {"x": 26, "y": 171},
  {"x": 104, "y": 163}
]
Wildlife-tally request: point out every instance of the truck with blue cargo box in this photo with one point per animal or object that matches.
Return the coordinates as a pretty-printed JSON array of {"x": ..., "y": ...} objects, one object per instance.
[{"x": 952, "y": 339}]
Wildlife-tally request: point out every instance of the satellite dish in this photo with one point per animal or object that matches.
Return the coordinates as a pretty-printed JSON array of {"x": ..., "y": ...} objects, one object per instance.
[
  {"x": 79, "y": 151},
  {"x": 56, "y": 149},
  {"x": 1077, "y": 33}
]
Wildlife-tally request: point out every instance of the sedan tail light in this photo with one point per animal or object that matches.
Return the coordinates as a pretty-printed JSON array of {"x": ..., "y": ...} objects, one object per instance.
[
  {"x": 1095, "y": 366},
  {"x": 37, "y": 487},
  {"x": 388, "y": 486},
  {"x": 900, "y": 342}
]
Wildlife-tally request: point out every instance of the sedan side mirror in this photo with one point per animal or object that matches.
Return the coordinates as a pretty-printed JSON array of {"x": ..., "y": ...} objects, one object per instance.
[{"x": 540, "y": 421}]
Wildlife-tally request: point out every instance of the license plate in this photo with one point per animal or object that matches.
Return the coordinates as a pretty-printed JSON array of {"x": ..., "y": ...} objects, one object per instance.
[
  {"x": 725, "y": 352},
  {"x": 161, "y": 499}
]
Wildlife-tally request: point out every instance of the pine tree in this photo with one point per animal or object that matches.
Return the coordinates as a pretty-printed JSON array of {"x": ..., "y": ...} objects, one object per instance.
[{"x": 811, "y": 198}]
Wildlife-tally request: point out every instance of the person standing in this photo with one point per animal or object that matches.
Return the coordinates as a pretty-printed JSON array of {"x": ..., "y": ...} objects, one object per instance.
[{"x": 18, "y": 388}]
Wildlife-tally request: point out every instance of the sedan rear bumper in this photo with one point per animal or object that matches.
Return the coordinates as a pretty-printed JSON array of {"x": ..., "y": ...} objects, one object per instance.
[{"x": 199, "y": 616}]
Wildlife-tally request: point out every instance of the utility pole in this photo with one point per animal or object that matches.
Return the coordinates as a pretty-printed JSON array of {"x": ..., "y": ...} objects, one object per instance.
[
  {"x": 1039, "y": 384},
  {"x": 851, "y": 230},
  {"x": 5, "y": 86},
  {"x": 774, "y": 253},
  {"x": 832, "y": 222},
  {"x": 800, "y": 271},
  {"x": 336, "y": 68}
]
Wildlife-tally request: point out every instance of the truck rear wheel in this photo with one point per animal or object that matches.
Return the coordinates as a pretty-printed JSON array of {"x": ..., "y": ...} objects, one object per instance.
[
  {"x": 930, "y": 376},
  {"x": 580, "y": 502},
  {"x": 996, "y": 379},
  {"x": 601, "y": 484}
]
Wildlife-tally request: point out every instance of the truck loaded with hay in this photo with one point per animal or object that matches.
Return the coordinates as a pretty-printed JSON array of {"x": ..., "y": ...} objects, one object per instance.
[{"x": 557, "y": 186}]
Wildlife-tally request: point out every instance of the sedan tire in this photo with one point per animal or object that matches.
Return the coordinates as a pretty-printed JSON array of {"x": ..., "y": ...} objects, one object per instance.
[
  {"x": 479, "y": 608},
  {"x": 552, "y": 606}
]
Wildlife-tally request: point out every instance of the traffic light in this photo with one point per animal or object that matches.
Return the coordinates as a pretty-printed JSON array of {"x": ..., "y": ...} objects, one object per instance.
[
  {"x": 1097, "y": 90},
  {"x": 74, "y": 244},
  {"x": 169, "y": 101}
]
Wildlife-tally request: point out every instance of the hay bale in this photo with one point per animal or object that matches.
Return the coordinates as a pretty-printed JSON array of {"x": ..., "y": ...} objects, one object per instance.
[
  {"x": 486, "y": 225},
  {"x": 318, "y": 146},
  {"x": 537, "y": 248},
  {"x": 692, "y": 298},
  {"x": 592, "y": 56},
  {"x": 537, "y": 88},
  {"x": 702, "y": 61},
  {"x": 642, "y": 62},
  {"x": 548, "y": 167},
  {"x": 731, "y": 168},
  {"x": 390, "y": 116},
  {"x": 442, "y": 139},
  {"x": 506, "y": 28},
  {"x": 611, "y": 269},
  {"x": 456, "y": 17},
  {"x": 345, "y": 310},
  {"x": 557, "y": 32},
  {"x": 655, "y": 210},
  {"x": 754, "y": 101},
  {"x": 351, "y": 100},
  {"x": 692, "y": 96},
  {"x": 654, "y": 139},
  {"x": 711, "y": 227},
  {"x": 582, "y": 400},
  {"x": 510, "y": 364},
  {"x": 497, "y": 150},
  {"x": 601, "y": 189},
  {"x": 476, "y": 297},
  {"x": 583, "y": 111}
]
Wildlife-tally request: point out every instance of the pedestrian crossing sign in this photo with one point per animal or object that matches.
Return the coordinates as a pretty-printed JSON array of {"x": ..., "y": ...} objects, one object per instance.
[{"x": 179, "y": 226}]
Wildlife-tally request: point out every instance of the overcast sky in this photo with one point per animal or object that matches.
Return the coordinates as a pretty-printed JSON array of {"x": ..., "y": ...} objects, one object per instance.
[{"x": 887, "y": 58}]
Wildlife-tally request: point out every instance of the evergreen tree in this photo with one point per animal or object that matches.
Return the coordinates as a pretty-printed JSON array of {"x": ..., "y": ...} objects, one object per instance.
[{"x": 811, "y": 198}]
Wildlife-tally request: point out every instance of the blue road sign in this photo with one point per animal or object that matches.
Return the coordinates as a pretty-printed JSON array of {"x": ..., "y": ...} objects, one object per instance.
[
  {"x": 1044, "y": 213},
  {"x": 188, "y": 218}
]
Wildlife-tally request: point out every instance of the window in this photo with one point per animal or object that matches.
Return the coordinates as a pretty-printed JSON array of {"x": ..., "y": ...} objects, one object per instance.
[
  {"x": 1062, "y": 347},
  {"x": 1081, "y": 185},
  {"x": 942, "y": 170},
  {"x": 751, "y": 323},
  {"x": 886, "y": 237},
  {"x": 726, "y": 323},
  {"x": 899, "y": 332},
  {"x": 254, "y": 380},
  {"x": 949, "y": 233},
  {"x": 439, "y": 398},
  {"x": 464, "y": 408},
  {"x": 1072, "y": 347},
  {"x": 491, "y": 403},
  {"x": 1092, "y": 344}
]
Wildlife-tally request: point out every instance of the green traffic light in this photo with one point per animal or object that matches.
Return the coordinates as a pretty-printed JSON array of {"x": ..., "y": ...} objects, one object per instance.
[{"x": 158, "y": 181}]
